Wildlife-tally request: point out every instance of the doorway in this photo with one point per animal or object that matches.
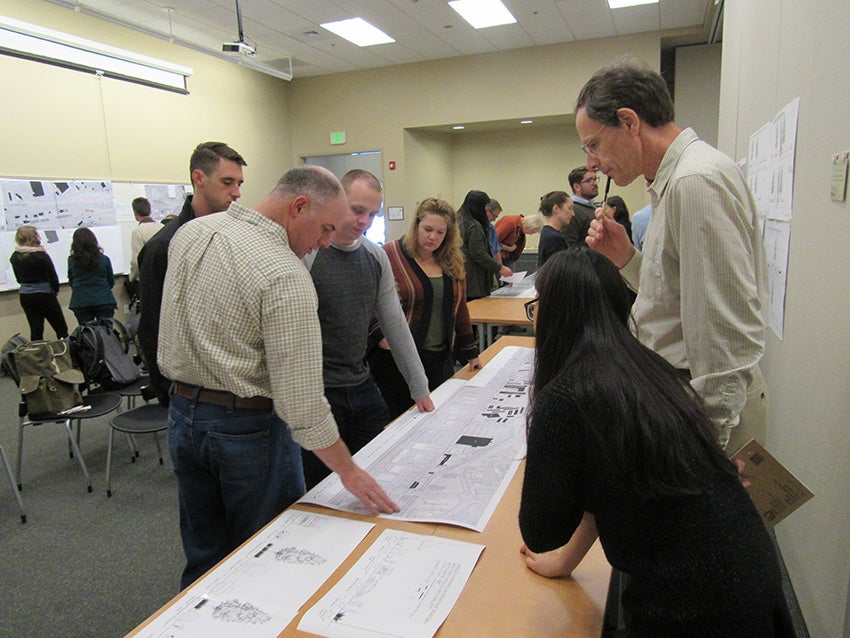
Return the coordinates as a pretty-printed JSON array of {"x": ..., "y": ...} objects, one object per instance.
[{"x": 370, "y": 161}]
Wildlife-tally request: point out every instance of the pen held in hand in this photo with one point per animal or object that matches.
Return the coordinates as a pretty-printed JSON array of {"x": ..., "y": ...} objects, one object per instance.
[{"x": 605, "y": 196}]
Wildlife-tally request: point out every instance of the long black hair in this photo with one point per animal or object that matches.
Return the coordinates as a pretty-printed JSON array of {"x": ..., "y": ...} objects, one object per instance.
[
  {"x": 474, "y": 205},
  {"x": 661, "y": 434},
  {"x": 621, "y": 213},
  {"x": 85, "y": 251}
]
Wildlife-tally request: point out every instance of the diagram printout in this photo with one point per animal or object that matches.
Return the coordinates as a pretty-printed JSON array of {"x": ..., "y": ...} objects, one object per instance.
[
  {"x": 260, "y": 588},
  {"x": 56, "y": 203},
  {"x": 405, "y": 585},
  {"x": 451, "y": 465}
]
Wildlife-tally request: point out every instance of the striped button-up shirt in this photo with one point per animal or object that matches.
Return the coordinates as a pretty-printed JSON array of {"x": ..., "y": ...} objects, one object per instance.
[
  {"x": 702, "y": 278},
  {"x": 239, "y": 314}
]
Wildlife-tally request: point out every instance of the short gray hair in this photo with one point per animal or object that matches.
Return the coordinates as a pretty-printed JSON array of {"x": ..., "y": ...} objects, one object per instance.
[{"x": 315, "y": 182}]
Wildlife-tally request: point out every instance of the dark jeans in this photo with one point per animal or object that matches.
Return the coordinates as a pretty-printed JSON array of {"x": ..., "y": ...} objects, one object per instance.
[
  {"x": 39, "y": 306},
  {"x": 90, "y": 313},
  {"x": 360, "y": 413},
  {"x": 236, "y": 470},
  {"x": 438, "y": 367}
]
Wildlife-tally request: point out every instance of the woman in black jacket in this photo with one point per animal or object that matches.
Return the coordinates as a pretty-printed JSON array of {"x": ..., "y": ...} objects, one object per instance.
[
  {"x": 36, "y": 274},
  {"x": 621, "y": 447}
]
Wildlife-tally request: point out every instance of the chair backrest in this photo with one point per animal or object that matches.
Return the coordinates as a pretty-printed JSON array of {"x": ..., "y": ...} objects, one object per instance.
[
  {"x": 100, "y": 348},
  {"x": 46, "y": 376}
]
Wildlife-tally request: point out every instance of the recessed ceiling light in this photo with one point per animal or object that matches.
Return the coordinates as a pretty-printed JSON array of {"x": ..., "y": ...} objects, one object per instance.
[
  {"x": 622, "y": 4},
  {"x": 358, "y": 31},
  {"x": 458, "y": 127},
  {"x": 526, "y": 121},
  {"x": 483, "y": 13}
]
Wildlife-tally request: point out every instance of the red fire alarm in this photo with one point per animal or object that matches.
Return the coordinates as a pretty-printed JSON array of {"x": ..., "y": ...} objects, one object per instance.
[{"x": 392, "y": 165}]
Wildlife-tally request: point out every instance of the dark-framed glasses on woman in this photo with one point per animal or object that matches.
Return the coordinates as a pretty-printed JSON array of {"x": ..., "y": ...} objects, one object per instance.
[{"x": 531, "y": 308}]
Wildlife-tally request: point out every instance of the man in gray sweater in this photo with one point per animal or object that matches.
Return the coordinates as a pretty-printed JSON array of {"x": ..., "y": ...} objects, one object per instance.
[{"x": 354, "y": 282}]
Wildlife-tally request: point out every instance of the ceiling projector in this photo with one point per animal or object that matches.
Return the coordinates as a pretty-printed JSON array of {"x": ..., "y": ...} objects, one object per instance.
[{"x": 243, "y": 48}]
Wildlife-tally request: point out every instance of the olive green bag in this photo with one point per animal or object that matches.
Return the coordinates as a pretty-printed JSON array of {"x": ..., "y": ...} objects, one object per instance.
[{"x": 46, "y": 376}]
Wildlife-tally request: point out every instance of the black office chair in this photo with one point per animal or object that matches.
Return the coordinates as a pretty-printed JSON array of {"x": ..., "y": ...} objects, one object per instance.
[
  {"x": 146, "y": 419},
  {"x": 98, "y": 405}
]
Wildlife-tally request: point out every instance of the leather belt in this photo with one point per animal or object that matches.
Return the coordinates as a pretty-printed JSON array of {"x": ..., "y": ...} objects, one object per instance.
[{"x": 221, "y": 397}]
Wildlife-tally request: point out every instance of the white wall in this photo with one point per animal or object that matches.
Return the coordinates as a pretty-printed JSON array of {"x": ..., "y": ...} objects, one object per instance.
[{"x": 773, "y": 51}]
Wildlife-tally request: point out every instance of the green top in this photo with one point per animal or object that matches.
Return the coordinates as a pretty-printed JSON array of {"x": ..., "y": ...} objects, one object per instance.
[{"x": 436, "y": 338}]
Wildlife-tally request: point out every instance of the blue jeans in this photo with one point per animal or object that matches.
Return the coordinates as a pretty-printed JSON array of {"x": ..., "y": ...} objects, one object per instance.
[
  {"x": 361, "y": 414},
  {"x": 236, "y": 470}
]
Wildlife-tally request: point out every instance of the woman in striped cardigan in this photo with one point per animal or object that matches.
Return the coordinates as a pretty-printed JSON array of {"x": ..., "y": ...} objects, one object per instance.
[{"x": 430, "y": 278}]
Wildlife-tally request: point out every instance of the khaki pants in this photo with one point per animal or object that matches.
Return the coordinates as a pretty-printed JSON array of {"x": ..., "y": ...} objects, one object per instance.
[{"x": 753, "y": 423}]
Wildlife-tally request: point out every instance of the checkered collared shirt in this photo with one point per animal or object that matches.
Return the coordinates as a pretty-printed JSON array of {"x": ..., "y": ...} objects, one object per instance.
[{"x": 239, "y": 314}]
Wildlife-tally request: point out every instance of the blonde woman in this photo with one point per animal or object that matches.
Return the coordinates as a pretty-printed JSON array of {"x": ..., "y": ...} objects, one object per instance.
[
  {"x": 431, "y": 281},
  {"x": 36, "y": 274}
]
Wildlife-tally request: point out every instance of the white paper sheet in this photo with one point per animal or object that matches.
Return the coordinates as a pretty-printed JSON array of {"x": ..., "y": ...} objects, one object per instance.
[
  {"x": 260, "y": 588},
  {"x": 771, "y": 180},
  {"x": 451, "y": 465},
  {"x": 405, "y": 585},
  {"x": 515, "y": 278}
]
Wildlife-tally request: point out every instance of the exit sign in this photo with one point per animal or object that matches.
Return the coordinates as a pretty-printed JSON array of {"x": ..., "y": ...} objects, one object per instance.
[{"x": 338, "y": 137}]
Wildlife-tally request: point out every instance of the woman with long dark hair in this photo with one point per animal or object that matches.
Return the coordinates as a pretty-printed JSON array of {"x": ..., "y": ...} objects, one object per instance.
[
  {"x": 91, "y": 278},
  {"x": 620, "y": 446},
  {"x": 557, "y": 210},
  {"x": 615, "y": 207},
  {"x": 431, "y": 284},
  {"x": 35, "y": 272},
  {"x": 480, "y": 265}
]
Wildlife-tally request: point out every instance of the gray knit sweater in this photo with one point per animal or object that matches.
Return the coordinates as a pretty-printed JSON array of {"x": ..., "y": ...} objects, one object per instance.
[{"x": 355, "y": 283}]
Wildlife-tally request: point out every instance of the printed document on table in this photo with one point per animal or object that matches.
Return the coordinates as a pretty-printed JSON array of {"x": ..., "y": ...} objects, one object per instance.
[
  {"x": 451, "y": 465},
  {"x": 522, "y": 289},
  {"x": 404, "y": 586},
  {"x": 259, "y": 589},
  {"x": 515, "y": 278}
]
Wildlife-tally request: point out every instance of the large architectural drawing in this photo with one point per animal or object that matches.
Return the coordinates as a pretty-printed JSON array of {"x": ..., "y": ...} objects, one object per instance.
[
  {"x": 57, "y": 204},
  {"x": 451, "y": 465}
]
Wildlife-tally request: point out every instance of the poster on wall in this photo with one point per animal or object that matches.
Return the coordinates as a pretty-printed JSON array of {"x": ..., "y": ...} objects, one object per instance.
[
  {"x": 772, "y": 149},
  {"x": 165, "y": 199},
  {"x": 56, "y": 203}
]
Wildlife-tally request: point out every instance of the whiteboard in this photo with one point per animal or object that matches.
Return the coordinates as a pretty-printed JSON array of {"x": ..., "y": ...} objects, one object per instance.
[{"x": 58, "y": 207}]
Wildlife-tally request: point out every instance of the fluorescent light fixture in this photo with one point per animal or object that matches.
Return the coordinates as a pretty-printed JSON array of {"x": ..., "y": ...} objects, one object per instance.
[
  {"x": 483, "y": 13},
  {"x": 622, "y": 4},
  {"x": 526, "y": 121},
  {"x": 32, "y": 42},
  {"x": 458, "y": 127},
  {"x": 358, "y": 31}
]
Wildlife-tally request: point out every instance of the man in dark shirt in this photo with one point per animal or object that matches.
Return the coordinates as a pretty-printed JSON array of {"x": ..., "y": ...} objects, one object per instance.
[
  {"x": 216, "y": 173},
  {"x": 584, "y": 186}
]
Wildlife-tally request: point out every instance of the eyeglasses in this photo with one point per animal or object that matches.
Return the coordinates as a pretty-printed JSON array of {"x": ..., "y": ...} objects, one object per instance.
[
  {"x": 590, "y": 180},
  {"x": 531, "y": 308},
  {"x": 589, "y": 147}
]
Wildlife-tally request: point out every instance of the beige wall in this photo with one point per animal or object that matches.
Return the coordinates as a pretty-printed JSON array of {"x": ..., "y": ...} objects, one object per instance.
[
  {"x": 519, "y": 166},
  {"x": 57, "y": 123},
  {"x": 697, "y": 89},
  {"x": 385, "y": 103},
  {"x": 773, "y": 52}
]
